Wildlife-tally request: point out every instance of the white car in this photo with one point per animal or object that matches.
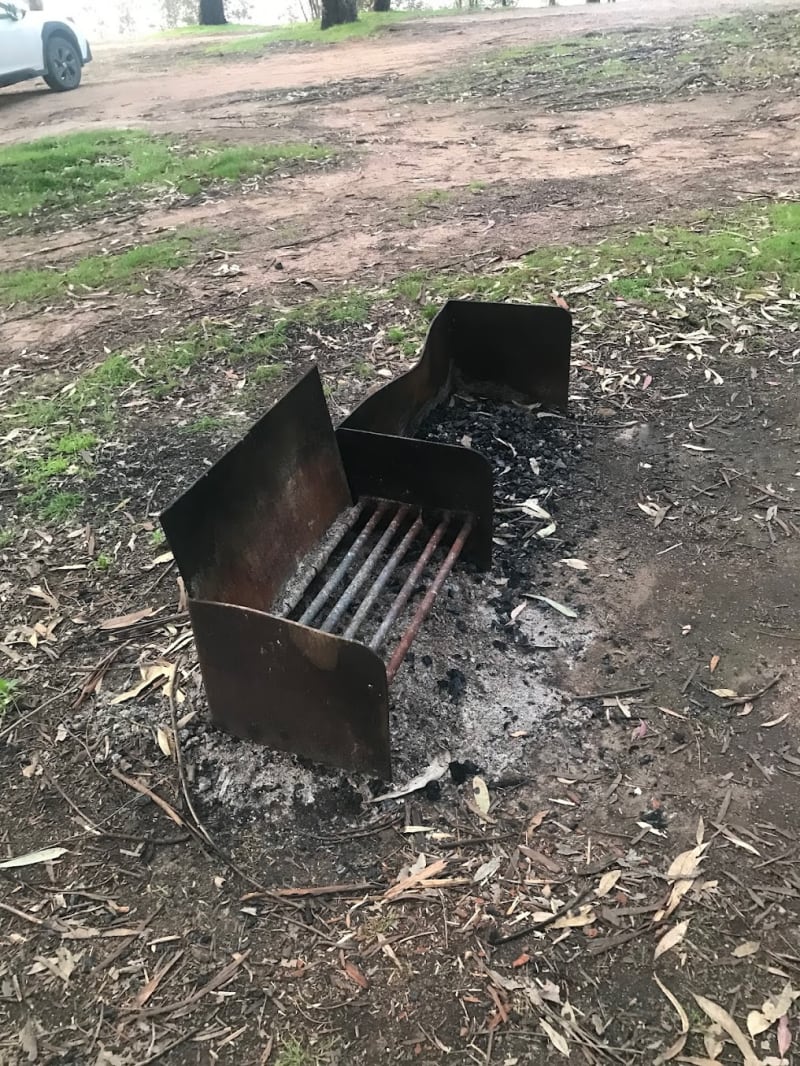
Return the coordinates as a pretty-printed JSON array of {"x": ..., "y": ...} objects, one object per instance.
[{"x": 36, "y": 44}]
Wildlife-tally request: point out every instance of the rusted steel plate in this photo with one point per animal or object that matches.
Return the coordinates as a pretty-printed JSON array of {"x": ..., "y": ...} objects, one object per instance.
[
  {"x": 512, "y": 351},
  {"x": 294, "y": 688},
  {"x": 239, "y": 533}
]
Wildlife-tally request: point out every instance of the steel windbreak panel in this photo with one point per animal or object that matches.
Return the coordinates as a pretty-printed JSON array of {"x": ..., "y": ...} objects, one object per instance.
[
  {"x": 434, "y": 477},
  {"x": 511, "y": 351},
  {"x": 240, "y": 532},
  {"x": 294, "y": 688}
]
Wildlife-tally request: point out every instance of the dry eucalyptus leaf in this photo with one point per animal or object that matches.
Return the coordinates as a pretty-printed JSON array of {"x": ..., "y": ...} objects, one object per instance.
[
  {"x": 163, "y": 738},
  {"x": 607, "y": 882},
  {"x": 712, "y": 1039},
  {"x": 739, "y": 842},
  {"x": 723, "y": 1019},
  {"x": 555, "y": 1038},
  {"x": 679, "y": 890},
  {"x": 672, "y": 1051},
  {"x": 537, "y": 819},
  {"x": 487, "y": 870},
  {"x": 776, "y": 1006},
  {"x": 585, "y": 916},
  {"x": 28, "y": 1041},
  {"x": 158, "y": 674},
  {"x": 480, "y": 794},
  {"x": 784, "y": 1035},
  {"x": 775, "y": 721},
  {"x": 575, "y": 564},
  {"x": 534, "y": 509},
  {"x": 671, "y": 938},
  {"x": 160, "y": 560},
  {"x": 560, "y": 607},
  {"x": 684, "y": 1017},
  {"x": 687, "y": 864},
  {"x": 33, "y": 857},
  {"x": 725, "y": 693},
  {"x": 757, "y": 1023},
  {"x": 749, "y": 947}
]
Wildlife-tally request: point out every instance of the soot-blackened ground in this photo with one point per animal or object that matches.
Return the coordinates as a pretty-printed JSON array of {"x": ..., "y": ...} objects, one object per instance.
[
  {"x": 534, "y": 455},
  {"x": 474, "y": 674}
]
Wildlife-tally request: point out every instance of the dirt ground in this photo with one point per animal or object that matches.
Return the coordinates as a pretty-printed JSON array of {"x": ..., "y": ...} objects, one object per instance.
[{"x": 631, "y": 894}]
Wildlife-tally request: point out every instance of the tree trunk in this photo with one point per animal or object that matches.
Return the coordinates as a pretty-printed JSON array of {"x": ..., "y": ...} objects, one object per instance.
[
  {"x": 381, "y": 5},
  {"x": 335, "y": 12},
  {"x": 212, "y": 13}
]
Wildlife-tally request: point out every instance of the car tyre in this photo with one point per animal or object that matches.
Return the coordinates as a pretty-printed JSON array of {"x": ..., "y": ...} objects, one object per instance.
[{"x": 62, "y": 64}]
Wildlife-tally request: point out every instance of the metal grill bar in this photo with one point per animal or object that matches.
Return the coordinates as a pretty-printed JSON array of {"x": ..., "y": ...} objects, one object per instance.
[
  {"x": 366, "y": 568},
  {"x": 340, "y": 572},
  {"x": 393, "y": 562},
  {"x": 411, "y": 582},
  {"x": 297, "y": 588},
  {"x": 427, "y": 602}
]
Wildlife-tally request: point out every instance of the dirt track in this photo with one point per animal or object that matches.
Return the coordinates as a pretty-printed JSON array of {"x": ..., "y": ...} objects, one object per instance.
[
  {"x": 550, "y": 176},
  {"x": 672, "y": 480}
]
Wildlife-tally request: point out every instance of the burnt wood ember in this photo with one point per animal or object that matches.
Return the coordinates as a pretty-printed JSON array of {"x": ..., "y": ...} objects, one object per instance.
[{"x": 303, "y": 547}]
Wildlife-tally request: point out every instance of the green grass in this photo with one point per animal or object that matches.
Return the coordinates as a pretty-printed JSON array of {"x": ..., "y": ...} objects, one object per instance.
[
  {"x": 58, "y": 173},
  {"x": 368, "y": 24},
  {"x": 747, "y": 250},
  {"x": 267, "y": 373},
  {"x": 433, "y": 196},
  {"x": 53, "y": 506},
  {"x": 204, "y": 424},
  {"x": 124, "y": 270},
  {"x": 293, "y": 1052},
  {"x": 43, "y": 477},
  {"x": 350, "y": 306},
  {"x": 8, "y": 688},
  {"x": 739, "y": 52},
  {"x": 233, "y": 29},
  {"x": 74, "y": 443}
]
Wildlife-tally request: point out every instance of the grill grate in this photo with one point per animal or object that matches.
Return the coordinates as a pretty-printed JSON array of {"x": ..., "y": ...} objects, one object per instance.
[{"x": 380, "y": 540}]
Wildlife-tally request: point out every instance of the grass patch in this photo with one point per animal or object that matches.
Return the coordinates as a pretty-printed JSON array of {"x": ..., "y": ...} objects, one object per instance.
[
  {"x": 739, "y": 52},
  {"x": 124, "y": 270},
  {"x": 8, "y": 690},
  {"x": 267, "y": 373},
  {"x": 309, "y": 33},
  {"x": 294, "y": 1052},
  {"x": 53, "y": 507},
  {"x": 204, "y": 424},
  {"x": 58, "y": 173},
  {"x": 230, "y": 29},
  {"x": 746, "y": 251},
  {"x": 432, "y": 197}
]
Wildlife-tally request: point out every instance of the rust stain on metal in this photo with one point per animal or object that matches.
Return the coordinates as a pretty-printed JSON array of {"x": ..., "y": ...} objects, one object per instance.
[{"x": 288, "y": 543}]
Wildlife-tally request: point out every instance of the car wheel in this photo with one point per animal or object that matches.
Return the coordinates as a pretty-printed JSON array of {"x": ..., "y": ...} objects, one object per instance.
[{"x": 62, "y": 64}]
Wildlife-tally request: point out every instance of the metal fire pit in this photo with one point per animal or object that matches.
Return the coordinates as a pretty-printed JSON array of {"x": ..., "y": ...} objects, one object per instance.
[{"x": 304, "y": 548}]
